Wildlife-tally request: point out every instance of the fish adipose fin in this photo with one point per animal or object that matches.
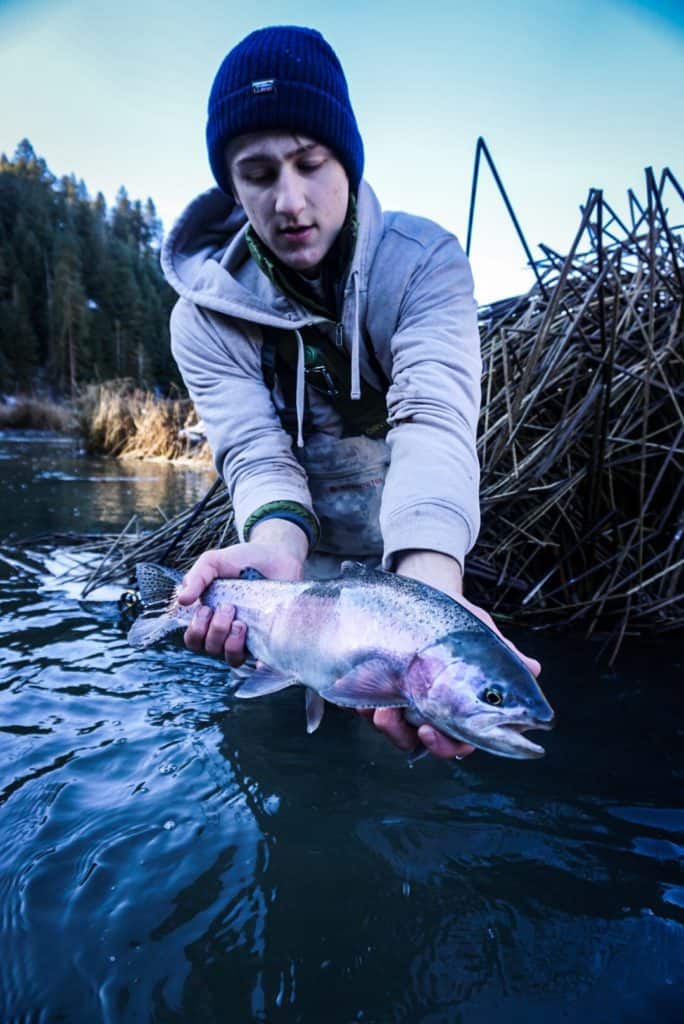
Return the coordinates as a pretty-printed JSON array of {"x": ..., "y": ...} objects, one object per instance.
[
  {"x": 373, "y": 683},
  {"x": 315, "y": 709},
  {"x": 265, "y": 680}
]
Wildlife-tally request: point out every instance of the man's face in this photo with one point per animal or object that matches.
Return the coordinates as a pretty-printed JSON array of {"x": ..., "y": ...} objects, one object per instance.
[{"x": 294, "y": 192}]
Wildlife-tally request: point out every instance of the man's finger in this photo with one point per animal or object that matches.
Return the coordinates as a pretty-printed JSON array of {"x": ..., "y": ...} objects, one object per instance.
[
  {"x": 533, "y": 665},
  {"x": 234, "y": 647},
  {"x": 208, "y": 567},
  {"x": 197, "y": 630},
  {"x": 197, "y": 579},
  {"x": 219, "y": 629},
  {"x": 392, "y": 723},
  {"x": 442, "y": 746}
]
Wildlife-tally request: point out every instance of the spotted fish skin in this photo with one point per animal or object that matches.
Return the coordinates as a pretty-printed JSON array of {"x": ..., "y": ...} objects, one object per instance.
[{"x": 369, "y": 639}]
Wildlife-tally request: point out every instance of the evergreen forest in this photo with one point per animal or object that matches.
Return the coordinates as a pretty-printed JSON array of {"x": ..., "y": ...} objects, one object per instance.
[{"x": 82, "y": 296}]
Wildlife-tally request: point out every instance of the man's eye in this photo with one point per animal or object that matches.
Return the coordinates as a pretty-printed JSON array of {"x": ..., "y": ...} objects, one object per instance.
[
  {"x": 311, "y": 165},
  {"x": 256, "y": 174}
]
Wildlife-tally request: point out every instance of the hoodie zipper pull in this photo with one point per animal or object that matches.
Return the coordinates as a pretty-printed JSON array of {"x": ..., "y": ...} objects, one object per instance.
[{"x": 339, "y": 335}]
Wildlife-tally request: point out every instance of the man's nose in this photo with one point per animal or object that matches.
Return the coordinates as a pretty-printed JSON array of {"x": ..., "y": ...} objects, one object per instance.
[{"x": 290, "y": 194}]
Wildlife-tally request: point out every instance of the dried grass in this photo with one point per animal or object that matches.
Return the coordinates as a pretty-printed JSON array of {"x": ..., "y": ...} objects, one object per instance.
[{"x": 117, "y": 418}]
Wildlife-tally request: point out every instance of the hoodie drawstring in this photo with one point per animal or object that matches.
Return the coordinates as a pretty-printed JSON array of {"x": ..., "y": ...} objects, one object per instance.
[
  {"x": 300, "y": 390},
  {"x": 355, "y": 391},
  {"x": 356, "y": 341}
]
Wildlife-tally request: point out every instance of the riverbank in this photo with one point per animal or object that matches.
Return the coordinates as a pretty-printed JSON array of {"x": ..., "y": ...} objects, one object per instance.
[{"x": 115, "y": 418}]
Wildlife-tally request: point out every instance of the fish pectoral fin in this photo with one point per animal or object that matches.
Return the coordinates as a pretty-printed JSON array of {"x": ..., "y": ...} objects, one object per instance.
[
  {"x": 265, "y": 680},
  {"x": 371, "y": 684},
  {"x": 315, "y": 709}
]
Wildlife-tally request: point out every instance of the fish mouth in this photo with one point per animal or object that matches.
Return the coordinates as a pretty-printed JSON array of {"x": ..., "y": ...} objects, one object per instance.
[
  {"x": 510, "y": 741},
  {"x": 507, "y": 739}
]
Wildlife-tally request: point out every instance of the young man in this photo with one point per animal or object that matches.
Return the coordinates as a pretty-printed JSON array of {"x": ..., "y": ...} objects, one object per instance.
[{"x": 309, "y": 325}]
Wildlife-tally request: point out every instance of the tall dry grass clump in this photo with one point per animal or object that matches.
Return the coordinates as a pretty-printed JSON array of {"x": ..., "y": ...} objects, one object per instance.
[
  {"x": 118, "y": 418},
  {"x": 30, "y": 413}
]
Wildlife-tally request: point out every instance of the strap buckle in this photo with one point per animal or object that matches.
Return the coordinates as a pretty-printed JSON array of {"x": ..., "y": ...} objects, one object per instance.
[{"x": 321, "y": 380}]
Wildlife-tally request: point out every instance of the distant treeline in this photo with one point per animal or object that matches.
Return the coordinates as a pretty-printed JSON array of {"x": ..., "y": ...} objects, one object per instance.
[{"x": 82, "y": 296}]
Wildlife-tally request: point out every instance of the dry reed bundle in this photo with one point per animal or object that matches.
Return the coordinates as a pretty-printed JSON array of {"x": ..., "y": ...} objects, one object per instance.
[
  {"x": 583, "y": 428},
  {"x": 120, "y": 419},
  {"x": 581, "y": 440}
]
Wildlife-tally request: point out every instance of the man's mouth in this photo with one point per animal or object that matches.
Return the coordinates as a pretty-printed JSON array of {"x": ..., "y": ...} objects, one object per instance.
[{"x": 296, "y": 232}]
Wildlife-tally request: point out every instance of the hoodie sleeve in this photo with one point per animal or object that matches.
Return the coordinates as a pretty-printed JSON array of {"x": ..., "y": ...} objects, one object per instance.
[
  {"x": 220, "y": 362},
  {"x": 431, "y": 495}
]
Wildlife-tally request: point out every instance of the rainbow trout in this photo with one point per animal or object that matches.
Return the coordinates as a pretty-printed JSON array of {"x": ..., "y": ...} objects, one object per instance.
[{"x": 369, "y": 639}]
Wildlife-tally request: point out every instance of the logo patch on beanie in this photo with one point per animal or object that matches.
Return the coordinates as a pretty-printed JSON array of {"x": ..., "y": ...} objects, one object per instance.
[{"x": 263, "y": 87}]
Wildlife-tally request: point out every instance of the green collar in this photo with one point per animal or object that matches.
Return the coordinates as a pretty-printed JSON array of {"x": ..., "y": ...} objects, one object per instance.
[{"x": 334, "y": 268}]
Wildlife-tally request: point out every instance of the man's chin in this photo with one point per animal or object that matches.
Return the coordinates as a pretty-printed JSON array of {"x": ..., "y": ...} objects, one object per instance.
[{"x": 301, "y": 262}]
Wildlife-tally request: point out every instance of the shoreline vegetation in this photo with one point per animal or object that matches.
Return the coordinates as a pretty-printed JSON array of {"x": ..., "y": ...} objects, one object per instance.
[
  {"x": 115, "y": 418},
  {"x": 118, "y": 418}
]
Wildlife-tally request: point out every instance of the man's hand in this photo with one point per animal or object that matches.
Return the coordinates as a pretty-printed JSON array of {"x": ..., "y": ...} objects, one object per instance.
[
  {"x": 445, "y": 574},
  {"x": 277, "y": 549},
  {"x": 392, "y": 723}
]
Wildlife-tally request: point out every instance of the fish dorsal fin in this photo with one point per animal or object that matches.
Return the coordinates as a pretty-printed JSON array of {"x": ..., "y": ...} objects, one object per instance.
[
  {"x": 251, "y": 574},
  {"x": 373, "y": 683},
  {"x": 315, "y": 709},
  {"x": 156, "y": 583},
  {"x": 354, "y": 569},
  {"x": 265, "y": 680}
]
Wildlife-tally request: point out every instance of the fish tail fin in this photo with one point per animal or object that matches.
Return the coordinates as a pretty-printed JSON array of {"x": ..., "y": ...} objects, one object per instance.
[{"x": 157, "y": 585}]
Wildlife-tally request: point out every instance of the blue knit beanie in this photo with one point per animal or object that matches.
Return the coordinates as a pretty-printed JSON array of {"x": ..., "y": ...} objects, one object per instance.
[{"x": 283, "y": 78}]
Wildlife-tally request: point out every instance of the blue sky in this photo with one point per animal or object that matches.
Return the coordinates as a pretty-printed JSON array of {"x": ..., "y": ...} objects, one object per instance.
[{"x": 567, "y": 93}]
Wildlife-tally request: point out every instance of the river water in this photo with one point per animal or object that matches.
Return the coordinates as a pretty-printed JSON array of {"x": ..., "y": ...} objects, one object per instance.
[{"x": 171, "y": 854}]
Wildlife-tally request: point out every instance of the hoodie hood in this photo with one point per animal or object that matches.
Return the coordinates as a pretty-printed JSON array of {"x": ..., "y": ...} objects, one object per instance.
[{"x": 205, "y": 258}]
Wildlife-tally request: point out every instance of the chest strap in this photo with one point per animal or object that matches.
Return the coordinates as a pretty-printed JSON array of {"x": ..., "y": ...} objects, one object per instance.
[{"x": 327, "y": 370}]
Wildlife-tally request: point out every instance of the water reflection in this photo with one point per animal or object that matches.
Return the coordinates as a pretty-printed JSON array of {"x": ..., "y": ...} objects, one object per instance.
[{"x": 50, "y": 485}]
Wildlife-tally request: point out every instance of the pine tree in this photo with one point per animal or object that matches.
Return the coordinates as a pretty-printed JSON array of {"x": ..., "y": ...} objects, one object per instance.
[{"x": 82, "y": 296}]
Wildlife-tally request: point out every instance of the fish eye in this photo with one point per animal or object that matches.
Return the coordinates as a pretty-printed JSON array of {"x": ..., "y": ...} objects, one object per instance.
[{"x": 493, "y": 695}]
